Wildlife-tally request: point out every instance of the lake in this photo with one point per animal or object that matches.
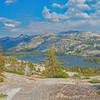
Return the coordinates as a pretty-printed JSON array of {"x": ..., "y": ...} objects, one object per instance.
[{"x": 68, "y": 60}]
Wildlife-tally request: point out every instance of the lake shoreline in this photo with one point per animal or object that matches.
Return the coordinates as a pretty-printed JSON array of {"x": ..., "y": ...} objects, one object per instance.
[{"x": 66, "y": 59}]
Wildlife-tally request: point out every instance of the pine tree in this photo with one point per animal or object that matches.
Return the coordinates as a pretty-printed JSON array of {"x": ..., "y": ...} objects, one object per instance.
[{"x": 53, "y": 66}]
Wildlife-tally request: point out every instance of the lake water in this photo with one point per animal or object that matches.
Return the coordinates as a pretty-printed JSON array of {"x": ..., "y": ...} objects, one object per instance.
[{"x": 68, "y": 60}]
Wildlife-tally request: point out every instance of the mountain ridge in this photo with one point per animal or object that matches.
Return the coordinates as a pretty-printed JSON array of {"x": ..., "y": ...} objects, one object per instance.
[{"x": 72, "y": 42}]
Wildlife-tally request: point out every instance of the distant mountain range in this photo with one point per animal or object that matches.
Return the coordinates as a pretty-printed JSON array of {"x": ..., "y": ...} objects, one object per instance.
[{"x": 71, "y": 42}]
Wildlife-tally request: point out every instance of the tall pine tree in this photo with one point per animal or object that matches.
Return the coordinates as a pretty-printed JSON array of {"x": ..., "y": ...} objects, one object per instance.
[{"x": 53, "y": 66}]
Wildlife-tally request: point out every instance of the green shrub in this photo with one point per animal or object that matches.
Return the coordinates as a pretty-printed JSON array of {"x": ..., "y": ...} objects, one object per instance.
[
  {"x": 12, "y": 71},
  {"x": 94, "y": 81},
  {"x": 61, "y": 75},
  {"x": 77, "y": 75},
  {"x": 99, "y": 92},
  {"x": 3, "y": 95},
  {"x": 1, "y": 79},
  {"x": 98, "y": 86},
  {"x": 86, "y": 77},
  {"x": 2, "y": 75}
]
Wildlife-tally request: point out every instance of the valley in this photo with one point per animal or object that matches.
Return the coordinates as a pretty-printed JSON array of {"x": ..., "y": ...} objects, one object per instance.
[
  {"x": 50, "y": 50},
  {"x": 50, "y": 62}
]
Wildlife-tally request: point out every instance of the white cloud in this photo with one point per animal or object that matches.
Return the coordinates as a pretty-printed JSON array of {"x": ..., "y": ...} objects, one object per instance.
[
  {"x": 9, "y": 25},
  {"x": 70, "y": 3},
  {"x": 9, "y": 22},
  {"x": 80, "y": 4},
  {"x": 9, "y": 1},
  {"x": 96, "y": 8},
  {"x": 74, "y": 18},
  {"x": 83, "y": 6},
  {"x": 94, "y": 22},
  {"x": 53, "y": 16},
  {"x": 57, "y": 5},
  {"x": 76, "y": 9},
  {"x": 76, "y": 13},
  {"x": 82, "y": 15},
  {"x": 47, "y": 27}
]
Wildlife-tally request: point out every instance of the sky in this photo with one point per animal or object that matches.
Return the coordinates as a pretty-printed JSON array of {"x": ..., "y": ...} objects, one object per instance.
[{"x": 47, "y": 16}]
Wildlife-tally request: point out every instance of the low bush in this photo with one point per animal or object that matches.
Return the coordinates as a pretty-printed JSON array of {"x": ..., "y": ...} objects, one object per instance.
[
  {"x": 12, "y": 71},
  {"x": 2, "y": 75},
  {"x": 94, "y": 81},
  {"x": 99, "y": 92},
  {"x": 61, "y": 75},
  {"x": 86, "y": 77},
  {"x": 77, "y": 75},
  {"x": 98, "y": 86},
  {"x": 3, "y": 95},
  {"x": 1, "y": 79}
]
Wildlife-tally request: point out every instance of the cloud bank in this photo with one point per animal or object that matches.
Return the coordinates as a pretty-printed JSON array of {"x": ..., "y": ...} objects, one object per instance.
[{"x": 9, "y": 1}]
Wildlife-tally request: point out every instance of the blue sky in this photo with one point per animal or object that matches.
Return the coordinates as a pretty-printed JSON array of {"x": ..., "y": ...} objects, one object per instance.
[{"x": 46, "y": 16}]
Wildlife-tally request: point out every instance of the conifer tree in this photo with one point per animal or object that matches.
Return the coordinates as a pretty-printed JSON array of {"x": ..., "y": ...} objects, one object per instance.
[{"x": 53, "y": 66}]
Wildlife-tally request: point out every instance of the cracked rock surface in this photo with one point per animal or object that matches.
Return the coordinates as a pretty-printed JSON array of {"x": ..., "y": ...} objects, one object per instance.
[{"x": 21, "y": 88}]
